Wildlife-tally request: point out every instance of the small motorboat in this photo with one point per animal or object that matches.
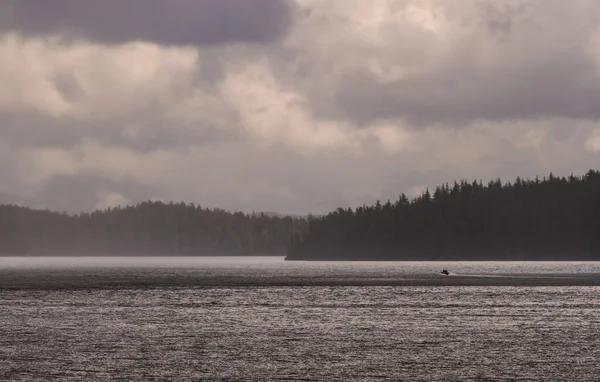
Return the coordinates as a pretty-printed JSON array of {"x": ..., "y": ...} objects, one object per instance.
[{"x": 445, "y": 272}]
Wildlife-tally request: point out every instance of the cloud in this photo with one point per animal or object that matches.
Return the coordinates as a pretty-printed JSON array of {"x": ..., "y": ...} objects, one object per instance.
[
  {"x": 173, "y": 22},
  {"x": 87, "y": 191},
  {"x": 350, "y": 102},
  {"x": 452, "y": 62},
  {"x": 593, "y": 142},
  {"x": 138, "y": 95}
]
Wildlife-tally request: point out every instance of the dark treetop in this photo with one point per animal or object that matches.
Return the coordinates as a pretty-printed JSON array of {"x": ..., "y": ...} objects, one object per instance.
[
  {"x": 549, "y": 219},
  {"x": 149, "y": 228}
]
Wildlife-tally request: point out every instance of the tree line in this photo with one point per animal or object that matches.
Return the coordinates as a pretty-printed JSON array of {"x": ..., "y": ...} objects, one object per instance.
[
  {"x": 148, "y": 228},
  {"x": 553, "y": 218}
]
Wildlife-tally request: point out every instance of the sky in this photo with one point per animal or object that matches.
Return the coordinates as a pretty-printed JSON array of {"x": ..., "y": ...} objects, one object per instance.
[{"x": 292, "y": 106}]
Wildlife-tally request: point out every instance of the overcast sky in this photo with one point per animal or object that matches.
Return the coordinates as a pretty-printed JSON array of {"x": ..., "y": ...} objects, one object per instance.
[{"x": 291, "y": 106}]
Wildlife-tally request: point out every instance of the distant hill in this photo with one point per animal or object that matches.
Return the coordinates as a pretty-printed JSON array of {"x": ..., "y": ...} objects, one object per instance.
[
  {"x": 279, "y": 215},
  {"x": 554, "y": 218},
  {"x": 270, "y": 214},
  {"x": 148, "y": 228}
]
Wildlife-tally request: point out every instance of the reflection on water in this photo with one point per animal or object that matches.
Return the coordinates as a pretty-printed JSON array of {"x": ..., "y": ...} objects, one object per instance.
[
  {"x": 180, "y": 319},
  {"x": 119, "y": 272}
]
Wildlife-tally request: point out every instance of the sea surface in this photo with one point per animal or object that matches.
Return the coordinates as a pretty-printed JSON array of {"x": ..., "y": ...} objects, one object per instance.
[{"x": 264, "y": 319}]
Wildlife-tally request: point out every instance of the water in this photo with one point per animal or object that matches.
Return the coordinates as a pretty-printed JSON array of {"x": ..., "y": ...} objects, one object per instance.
[{"x": 258, "y": 319}]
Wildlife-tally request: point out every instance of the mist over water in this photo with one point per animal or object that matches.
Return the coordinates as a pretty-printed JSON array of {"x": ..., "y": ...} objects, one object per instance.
[
  {"x": 157, "y": 272},
  {"x": 257, "y": 319}
]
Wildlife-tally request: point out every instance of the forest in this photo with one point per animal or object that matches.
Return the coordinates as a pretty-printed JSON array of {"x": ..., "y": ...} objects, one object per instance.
[
  {"x": 554, "y": 218},
  {"x": 149, "y": 228}
]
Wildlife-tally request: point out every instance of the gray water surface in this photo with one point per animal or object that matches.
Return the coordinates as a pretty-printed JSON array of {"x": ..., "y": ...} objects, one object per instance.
[{"x": 257, "y": 319}]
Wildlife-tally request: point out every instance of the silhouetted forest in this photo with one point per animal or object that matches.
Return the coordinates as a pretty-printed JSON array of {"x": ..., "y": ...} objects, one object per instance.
[
  {"x": 540, "y": 219},
  {"x": 149, "y": 228},
  {"x": 548, "y": 219}
]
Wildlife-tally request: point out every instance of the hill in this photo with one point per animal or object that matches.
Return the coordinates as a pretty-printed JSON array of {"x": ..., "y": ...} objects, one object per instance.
[
  {"x": 149, "y": 228},
  {"x": 555, "y": 218}
]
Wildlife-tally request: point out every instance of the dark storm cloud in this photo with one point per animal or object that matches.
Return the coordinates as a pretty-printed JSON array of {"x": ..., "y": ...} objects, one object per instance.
[
  {"x": 492, "y": 61},
  {"x": 177, "y": 22},
  {"x": 520, "y": 78},
  {"x": 563, "y": 90}
]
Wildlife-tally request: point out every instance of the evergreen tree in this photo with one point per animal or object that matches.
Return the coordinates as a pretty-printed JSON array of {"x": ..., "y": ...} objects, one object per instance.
[
  {"x": 149, "y": 228},
  {"x": 551, "y": 218}
]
